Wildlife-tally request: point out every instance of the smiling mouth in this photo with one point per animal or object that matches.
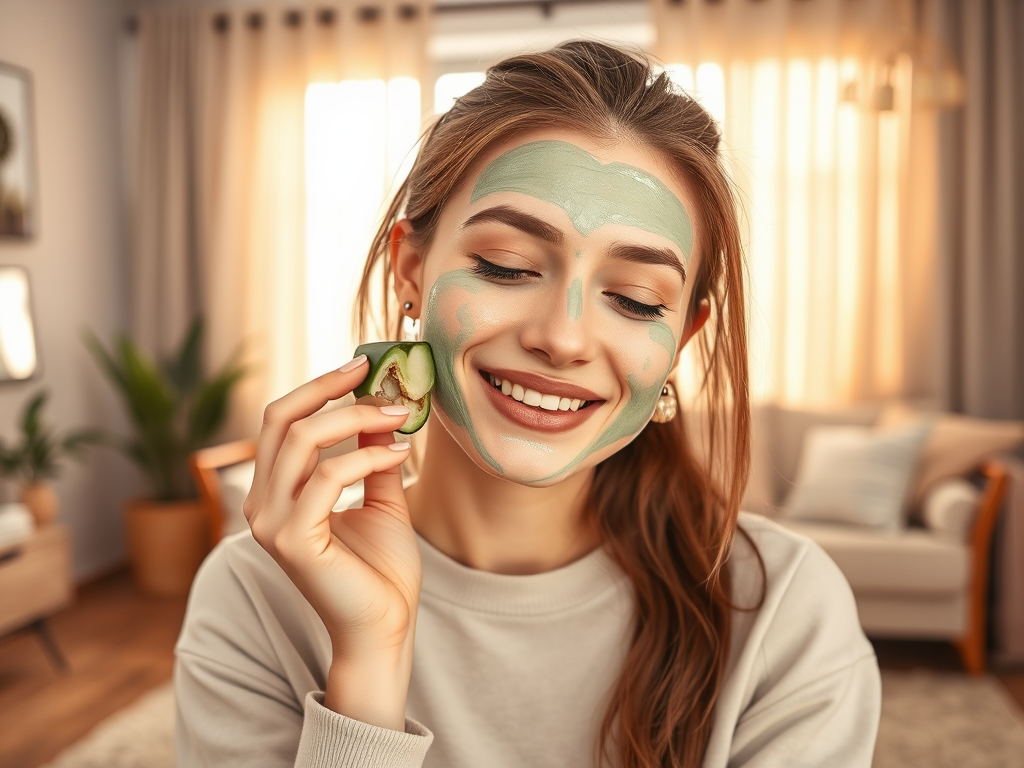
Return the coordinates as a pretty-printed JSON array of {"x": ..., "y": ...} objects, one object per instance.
[{"x": 534, "y": 398}]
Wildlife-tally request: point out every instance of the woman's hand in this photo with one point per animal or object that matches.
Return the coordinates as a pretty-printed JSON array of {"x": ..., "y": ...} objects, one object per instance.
[{"x": 360, "y": 569}]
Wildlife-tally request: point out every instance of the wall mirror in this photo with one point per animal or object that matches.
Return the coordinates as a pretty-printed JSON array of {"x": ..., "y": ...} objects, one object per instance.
[{"x": 19, "y": 359}]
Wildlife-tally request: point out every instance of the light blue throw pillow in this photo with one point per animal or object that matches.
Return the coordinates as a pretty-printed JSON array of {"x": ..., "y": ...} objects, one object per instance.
[{"x": 856, "y": 475}]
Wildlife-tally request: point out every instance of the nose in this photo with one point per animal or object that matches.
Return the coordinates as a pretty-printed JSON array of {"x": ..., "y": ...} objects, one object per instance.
[{"x": 558, "y": 332}]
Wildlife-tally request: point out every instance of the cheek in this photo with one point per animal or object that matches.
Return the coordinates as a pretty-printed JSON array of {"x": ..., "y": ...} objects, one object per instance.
[{"x": 644, "y": 353}]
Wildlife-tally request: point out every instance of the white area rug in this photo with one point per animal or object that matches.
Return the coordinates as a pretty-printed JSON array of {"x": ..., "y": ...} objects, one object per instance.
[
  {"x": 139, "y": 736},
  {"x": 933, "y": 720},
  {"x": 929, "y": 720}
]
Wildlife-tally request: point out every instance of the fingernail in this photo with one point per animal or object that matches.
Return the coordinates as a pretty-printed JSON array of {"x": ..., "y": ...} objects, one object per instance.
[
  {"x": 352, "y": 364},
  {"x": 398, "y": 446},
  {"x": 394, "y": 410}
]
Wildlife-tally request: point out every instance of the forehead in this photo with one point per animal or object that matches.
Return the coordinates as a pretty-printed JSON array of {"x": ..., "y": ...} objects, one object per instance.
[{"x": 593, "y": 183}]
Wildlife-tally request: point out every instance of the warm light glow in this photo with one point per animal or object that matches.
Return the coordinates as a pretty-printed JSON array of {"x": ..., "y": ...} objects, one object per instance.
[
  {"x": 359, "y": 135},
  {"x": 888, "y": 326},
  {"x": 766, "y": 316},
  {"x": 451, "y": 86},
  {"x": 797, "y": 202},
  {"x": 711, "y": 90},
  {"x": 682, "y": 76},
  {"x": 17, "y": 340},
  {"x": 849, "y": 237}
]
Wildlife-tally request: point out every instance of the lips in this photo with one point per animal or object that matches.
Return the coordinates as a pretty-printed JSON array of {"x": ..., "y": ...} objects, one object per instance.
[{"x": 533, "y": 416}]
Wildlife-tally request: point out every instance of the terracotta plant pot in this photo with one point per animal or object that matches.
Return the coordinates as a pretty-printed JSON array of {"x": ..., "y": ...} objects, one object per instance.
[
  {"x": 167, "y": 541},
  {"x": 41, "y": 501}
]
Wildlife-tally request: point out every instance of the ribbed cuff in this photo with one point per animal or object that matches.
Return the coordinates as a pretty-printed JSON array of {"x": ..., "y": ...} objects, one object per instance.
[{"x": 330, "y": 740}]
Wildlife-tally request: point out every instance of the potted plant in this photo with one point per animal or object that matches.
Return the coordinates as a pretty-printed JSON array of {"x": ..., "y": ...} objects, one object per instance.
[
  {"x": 38, "y": 458},
  {"x": 174, "y": 409}
]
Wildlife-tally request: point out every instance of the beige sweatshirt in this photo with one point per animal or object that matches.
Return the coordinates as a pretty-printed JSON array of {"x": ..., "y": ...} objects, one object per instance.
[{"x": 514, "y": 671}]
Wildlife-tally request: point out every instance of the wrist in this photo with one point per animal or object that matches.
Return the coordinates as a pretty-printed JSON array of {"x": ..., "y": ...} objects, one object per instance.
[{"x": 371, "y": 688}]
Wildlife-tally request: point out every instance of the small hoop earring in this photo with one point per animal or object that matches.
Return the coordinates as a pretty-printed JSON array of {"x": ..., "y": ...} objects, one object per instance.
[
  {"x": 410, "y": 327},
  {"x": 667, "y": 406}
]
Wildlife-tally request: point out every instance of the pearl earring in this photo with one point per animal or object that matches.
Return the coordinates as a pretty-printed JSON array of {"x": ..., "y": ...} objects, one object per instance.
[
  {"x": 667, "y": 406},
  {"x": 410, "y": 327}
]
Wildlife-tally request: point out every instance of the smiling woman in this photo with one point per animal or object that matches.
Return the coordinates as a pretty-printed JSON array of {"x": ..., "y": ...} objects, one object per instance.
[{"x": 566, "y": 582}]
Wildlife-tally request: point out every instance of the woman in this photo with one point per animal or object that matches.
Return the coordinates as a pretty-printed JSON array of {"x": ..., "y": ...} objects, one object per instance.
[{"x": 566, "y": 583}]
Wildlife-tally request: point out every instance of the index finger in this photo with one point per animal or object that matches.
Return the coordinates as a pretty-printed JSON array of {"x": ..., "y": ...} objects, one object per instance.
[{"x": 301, "y": 402}]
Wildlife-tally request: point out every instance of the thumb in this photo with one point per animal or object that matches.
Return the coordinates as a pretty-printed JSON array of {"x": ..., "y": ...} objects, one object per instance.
[{"x": 383, "y": 489}]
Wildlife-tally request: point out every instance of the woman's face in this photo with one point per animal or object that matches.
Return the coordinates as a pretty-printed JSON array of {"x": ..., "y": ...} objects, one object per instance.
[{"x": 554, "y": 298}]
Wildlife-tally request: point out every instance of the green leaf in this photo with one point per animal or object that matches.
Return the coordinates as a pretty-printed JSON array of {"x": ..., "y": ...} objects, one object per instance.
[
  {"x": 74, "y": 443},
  {"x": 30, "y": 419},
  {"x": 210, "y": 407},
  {"x": 106, "y": 362},
  {"x": 184, "y": 371}
]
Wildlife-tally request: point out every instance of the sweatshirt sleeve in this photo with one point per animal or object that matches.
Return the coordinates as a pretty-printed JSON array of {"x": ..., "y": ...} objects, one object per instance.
[
  {"x": 248, "y": 678},
  {"x": 818, "y": 699}
]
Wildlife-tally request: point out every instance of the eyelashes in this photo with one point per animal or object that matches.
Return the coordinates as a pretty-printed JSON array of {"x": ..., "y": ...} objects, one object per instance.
[
  {"x": 486, "y": 269},
  {"x": 646, "y": 311}
]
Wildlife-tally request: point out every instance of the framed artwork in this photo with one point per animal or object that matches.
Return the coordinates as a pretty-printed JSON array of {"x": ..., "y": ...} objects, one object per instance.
[
  {"x": 19, "y": 353},
  {"x": 18, "y": 196}
]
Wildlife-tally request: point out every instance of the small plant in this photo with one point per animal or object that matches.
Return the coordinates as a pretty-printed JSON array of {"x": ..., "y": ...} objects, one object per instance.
[
  {"x": 41, "y": 452},
  {"x": 174, "y": 408}
]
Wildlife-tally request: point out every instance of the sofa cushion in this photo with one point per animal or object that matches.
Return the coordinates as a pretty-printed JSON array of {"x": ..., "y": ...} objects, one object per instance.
[
  {"x": 855, "y": 475},
  {"x": 957, "y": 444},
  {"x": 911, "y": 561},
  {"x": 784, "y": 430}
]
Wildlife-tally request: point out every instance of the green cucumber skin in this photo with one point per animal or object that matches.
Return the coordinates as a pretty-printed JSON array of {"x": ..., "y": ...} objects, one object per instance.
[{"x": 375, "y": 352}]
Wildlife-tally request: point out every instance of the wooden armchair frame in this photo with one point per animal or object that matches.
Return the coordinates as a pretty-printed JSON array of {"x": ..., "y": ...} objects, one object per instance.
[
  {"x": 204, "y": 464},
  {"x": 972, "y": 645}
]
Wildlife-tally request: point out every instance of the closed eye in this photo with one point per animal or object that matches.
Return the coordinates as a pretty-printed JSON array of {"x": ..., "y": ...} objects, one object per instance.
[
  {"x": 484, "y": 268},
  {"x": 646, "y": 311}
]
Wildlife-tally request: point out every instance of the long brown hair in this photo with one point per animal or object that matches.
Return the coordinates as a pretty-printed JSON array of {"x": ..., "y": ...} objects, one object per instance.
[{"x": 667, "y": 515}]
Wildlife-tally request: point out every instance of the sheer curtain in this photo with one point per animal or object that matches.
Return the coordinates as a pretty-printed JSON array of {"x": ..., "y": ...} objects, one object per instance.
[
  {"x": 229, "y": 104},
  {"x": 834, "y": 162}
]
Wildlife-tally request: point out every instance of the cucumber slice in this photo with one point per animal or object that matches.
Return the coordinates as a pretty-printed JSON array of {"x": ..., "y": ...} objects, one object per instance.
[{"x": 401, "y": 372}]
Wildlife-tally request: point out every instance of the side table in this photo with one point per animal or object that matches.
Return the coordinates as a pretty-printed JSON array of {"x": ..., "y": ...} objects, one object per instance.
[{"x": 36, "y": 582}]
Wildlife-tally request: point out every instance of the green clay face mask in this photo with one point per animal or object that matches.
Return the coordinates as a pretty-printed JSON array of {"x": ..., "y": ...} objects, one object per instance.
[
  {"x": 466, "y": 313},
  {"x": 475, "y": 323},
  {"x": 590, "y": 192}
]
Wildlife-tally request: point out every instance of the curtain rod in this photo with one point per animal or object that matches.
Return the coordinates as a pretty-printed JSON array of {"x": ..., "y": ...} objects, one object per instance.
[{"x": 327, "y": 16}]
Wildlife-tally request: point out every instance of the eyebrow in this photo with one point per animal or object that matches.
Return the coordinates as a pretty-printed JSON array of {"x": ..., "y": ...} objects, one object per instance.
[
  {"x": 640, "y": 254},
  {"x": 524, "y": 222}
]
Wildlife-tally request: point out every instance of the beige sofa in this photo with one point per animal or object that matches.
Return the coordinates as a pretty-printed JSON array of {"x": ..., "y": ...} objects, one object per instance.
[{"x": 912, "y": 582}]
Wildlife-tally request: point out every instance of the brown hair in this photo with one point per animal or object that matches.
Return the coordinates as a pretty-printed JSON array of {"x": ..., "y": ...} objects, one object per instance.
[{"x": 667, "y": 515}]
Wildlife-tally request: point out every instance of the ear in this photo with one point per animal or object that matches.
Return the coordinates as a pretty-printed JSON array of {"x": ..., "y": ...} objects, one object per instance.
[
  {"x": 406, "y": 267},
  {"x": 703, "y": 313}
]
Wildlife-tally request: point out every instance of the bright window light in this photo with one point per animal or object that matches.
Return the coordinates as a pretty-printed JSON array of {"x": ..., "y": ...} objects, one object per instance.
[
  {"x": 359, "y": 135},
  {"x": 707, "y": 86},
  {"x": 453, "y": 85}
]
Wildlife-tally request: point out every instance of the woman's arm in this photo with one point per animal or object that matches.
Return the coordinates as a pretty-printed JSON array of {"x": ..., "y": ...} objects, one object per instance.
[
  {"x": 251, "y": 664},
  {"x": 358, "y": 570}
]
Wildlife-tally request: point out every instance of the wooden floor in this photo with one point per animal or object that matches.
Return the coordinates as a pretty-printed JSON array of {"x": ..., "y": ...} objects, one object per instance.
[{"x": 120, "y": 644}]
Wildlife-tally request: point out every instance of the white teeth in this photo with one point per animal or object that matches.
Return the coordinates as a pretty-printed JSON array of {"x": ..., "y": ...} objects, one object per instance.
[{"x": 534, "y": 398}]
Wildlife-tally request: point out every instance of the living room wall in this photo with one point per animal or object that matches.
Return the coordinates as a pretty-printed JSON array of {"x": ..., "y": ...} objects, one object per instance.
[{"x": 76, "y": 263}]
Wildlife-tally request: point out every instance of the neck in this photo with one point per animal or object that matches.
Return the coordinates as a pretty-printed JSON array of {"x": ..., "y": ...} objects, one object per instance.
[{"x": 495, "y": 525}]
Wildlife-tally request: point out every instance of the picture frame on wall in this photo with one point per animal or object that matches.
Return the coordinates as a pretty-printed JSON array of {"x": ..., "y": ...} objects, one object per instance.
[{"x": 18, "y": 195}]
